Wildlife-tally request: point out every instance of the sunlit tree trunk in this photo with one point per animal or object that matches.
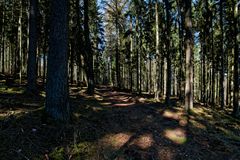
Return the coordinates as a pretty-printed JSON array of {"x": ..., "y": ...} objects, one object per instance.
[
  {"x": 156, "y": 87},
  {"x": 189, "y": 55},
  {"x": 20, "y": 43}
]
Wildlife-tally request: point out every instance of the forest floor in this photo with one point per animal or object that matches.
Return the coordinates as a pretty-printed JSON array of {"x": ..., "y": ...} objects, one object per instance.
[{"x": 114, "y": 125}]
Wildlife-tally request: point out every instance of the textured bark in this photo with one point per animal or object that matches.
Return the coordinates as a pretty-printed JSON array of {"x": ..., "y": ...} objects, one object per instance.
[
  {"x": 137, "y": 48},
  {"x": 222, "y": 57},
  {"x": 189, "y": 55},
  {"x": 57, "y": 104},
  {"x": 213, "y": 64},
  {"x": 236, "y": 108},
  {"x": 3, "y": 41},
  {"x": 168, "y": 56},
  {"x": 131, "y": 52},
  {"x": 181, "y": 51},
  {"x": 32, "y": 64},
  {"x": 156, "y": 87},
  {"x": 19, "y": 61},
  {"x": 89, "y": 52}
]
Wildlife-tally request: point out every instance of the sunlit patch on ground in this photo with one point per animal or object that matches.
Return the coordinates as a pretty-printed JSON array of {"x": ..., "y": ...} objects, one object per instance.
[
  {"x": 203, "y": 112},
  {"x": 170, "y": 114},
  {"x": 198, "y": 124},
  {"x": 116, "y": 140},
  {"x": 144, "y": 141},
  {"x": 177, "y": 135},
  {"x": 12, "y": 90},
  {"x": 105, "y": 103},
  {"x": 142, "y": 100},
  {"x": 183, "y": 122},
  {"x": 166, "y": 153},
  {"x": 96, "y": 109},
  {"x": 123, "y": 104},
  {"x": 97, "y": 97}
]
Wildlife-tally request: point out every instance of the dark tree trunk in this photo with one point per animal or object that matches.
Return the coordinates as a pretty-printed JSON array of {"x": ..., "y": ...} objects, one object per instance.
[
  {"x": 72, "y": 50},
  {"x": 137, "y": 49},
  {"x": 213, "y": 63},
  {"x": 32, "y": 62},
  {"x": 222, "y": 57},
  {"x": 168, "y": 56},
  {"x": 181, "y": 51},
  {"x": 57, "y": 103},
  {"x": 89, "y": 52}
]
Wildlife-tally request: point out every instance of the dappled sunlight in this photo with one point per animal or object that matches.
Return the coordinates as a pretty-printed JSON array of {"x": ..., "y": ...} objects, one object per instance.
[
  {"x": 97, "y": 97},
  {"x": 178, "y": 135},
  {"x": 197, "y": 124},
  {"x": 12, "y": 90},
  {"x": 166, "y": 153},
  {"x": 203, "y": 112},
  {"x": 183, "y": 122},
  {"x": 144, "y": 141},
  {"x": 123, "y": 104},
  {"x": 105, "y": 103},
  {"x": 97, "y": 109},
  {"x": 142, "y": 100},
  {"x": 171, "y": 115},
  {"x": 116, "y": 140}
]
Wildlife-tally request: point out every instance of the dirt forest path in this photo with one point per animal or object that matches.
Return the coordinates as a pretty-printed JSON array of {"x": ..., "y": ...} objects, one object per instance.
[
  {"x": 115, "y": 125},
  {"x": 135, "y": 127}
]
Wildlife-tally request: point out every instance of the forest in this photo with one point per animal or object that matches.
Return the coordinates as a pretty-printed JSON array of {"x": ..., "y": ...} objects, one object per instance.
[{"x": 119, "y": 80}]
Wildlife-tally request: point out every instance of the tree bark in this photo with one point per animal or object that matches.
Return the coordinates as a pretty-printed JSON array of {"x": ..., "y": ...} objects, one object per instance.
[
  {"x": 3, "y": 39},
  {"x": 168, "y": 54},
  {"x": 189, "y": 55},
  {"x": 57, "y": 103},
  {"x": 236, "y": 65},
  {"x": 222, "y": 57},
  {"x": 32, "y": 64},
  {"x": 89, "y": 52},
  {"x": 156, "y": 86}
]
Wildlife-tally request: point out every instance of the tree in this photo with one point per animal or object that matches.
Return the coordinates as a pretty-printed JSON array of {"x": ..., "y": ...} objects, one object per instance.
[
  {"x": 57, "y": 103},
  {"x": 222, "y": 103},
  {"x": 236, "y": 64},
  {"x": 189, "y": 55},
  {"x": 32, "y": 66},
  {"x": 88, "y": 51},
  {"x": 168, "y": 54}
]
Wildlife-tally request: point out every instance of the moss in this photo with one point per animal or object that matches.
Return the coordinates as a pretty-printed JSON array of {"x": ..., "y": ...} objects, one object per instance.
[
  {"x": 57, "y": 154},
  {"x": 84, "y": 150}
]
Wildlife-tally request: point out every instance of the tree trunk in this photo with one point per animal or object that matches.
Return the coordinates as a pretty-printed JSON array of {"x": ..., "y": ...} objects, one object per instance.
[
  {"x": 32, "y": 64},
  {"x": 57, "y": 103},
  {"x": 189, "y": 55},
  {"x": 213, "y": 63},
  {"x": 89, "y": 52},
  {"x": 156, "y": 87},
  {"x": 236, "y": 66},
  {"x": 168, "y": 56},
  {"x": 20, "y": 43},
  {"x": 222, "y": 57},
  {"x": 3, "y": 39}
]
